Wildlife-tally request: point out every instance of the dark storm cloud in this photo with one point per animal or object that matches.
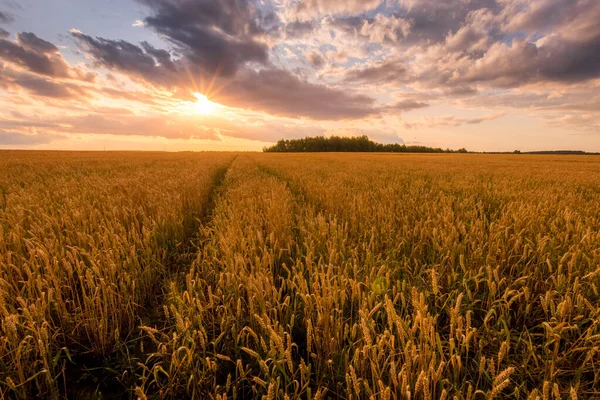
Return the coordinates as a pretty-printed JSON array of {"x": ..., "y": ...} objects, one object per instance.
[
  {"x": 556, "y": 60},
  {"x": 31, "y": 42},
  {"x": 35, "y": 55},
  {"x": 6, "y": 18},
  {"x": 47, "y": 88},
  {"x": 280, "y": 92},
  {"x": 218, "y": 36},
  {"x": 146, "y": 62},
  {"x": 4, "y": 34},
  {"x": 162, "y": 57},
  {"x": 233, "y": 17},
  {"x": 563, "y": 60}
]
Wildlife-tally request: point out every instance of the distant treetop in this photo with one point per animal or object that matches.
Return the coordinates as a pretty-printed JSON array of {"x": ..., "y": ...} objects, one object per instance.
[{"x": 348, "y": 144}]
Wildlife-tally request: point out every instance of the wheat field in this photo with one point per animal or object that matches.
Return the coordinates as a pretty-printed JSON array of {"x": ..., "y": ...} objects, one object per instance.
[{"x": 299, "y": 276}]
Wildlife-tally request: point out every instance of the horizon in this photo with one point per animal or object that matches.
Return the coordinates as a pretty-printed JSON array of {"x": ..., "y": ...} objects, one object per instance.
[
  {"x": 558, "y": 152},
  {"x": 234, "y": 75}
]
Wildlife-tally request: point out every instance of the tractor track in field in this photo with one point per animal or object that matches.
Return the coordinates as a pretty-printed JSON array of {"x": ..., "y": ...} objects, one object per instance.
[
  {"x": 180, "y": 259},
  {"x": 300, "y": 197},
  {"x": 299, "y": 193},
  {"x": 114, "y": 377}
]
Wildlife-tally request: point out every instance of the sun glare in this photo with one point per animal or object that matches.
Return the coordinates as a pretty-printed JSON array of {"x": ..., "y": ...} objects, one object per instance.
[{"x": 203, "y": 105}]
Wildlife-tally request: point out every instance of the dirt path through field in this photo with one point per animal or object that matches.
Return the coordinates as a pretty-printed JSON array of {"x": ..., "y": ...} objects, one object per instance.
[
  {"x": 180, "y": 258},
  {"x": 91, "y": 378}
]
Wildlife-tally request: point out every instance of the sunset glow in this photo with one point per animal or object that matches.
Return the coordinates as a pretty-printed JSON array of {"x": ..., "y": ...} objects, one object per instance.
[
  {"x": 203, "y": 106},
  {"x": 486, "y": 75}
]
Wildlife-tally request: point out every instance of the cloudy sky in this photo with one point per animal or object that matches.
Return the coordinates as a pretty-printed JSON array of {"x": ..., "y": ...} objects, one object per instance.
[{"x": 493, "y": 75}]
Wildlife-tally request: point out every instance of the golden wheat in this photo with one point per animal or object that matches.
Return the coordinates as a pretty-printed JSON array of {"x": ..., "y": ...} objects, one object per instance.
[{"x": 307, "y": 276}]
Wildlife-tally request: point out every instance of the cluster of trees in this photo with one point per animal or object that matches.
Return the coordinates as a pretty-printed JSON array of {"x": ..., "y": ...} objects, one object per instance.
[
  {"x": 559, "y": 152},
  {"x": 567, "y": 152},
  {"x": 348, "y": 144}
]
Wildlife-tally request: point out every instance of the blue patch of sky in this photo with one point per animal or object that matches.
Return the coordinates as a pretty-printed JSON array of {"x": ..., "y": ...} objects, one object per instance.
[
  {"x": 508, "y": 38},
  {"x": 385, "y": 9},
  {"x": 266, "y": 7},
  {"x": 52, "y": 20},
  {"x": 375, "y": 54}
]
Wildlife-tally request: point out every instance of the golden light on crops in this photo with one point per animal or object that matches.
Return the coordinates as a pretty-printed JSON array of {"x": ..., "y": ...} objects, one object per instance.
[
  {"x": 423, "y": 276},
  {"x": 203, "y": 106}
]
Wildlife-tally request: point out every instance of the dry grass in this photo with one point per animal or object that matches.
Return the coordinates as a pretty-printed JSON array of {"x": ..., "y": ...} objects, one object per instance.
[{"x": 315, "y": 276}]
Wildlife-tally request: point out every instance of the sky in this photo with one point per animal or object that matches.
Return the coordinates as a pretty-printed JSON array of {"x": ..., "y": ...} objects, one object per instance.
[{"x": 175, "y": 75}]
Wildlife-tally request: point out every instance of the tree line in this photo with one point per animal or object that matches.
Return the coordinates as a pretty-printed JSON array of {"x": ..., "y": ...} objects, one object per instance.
[{"x": 349, "y": 144}]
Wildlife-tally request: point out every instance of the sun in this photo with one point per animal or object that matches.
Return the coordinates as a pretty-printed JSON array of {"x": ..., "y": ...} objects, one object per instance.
[{"x": 203, "y": 106}]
